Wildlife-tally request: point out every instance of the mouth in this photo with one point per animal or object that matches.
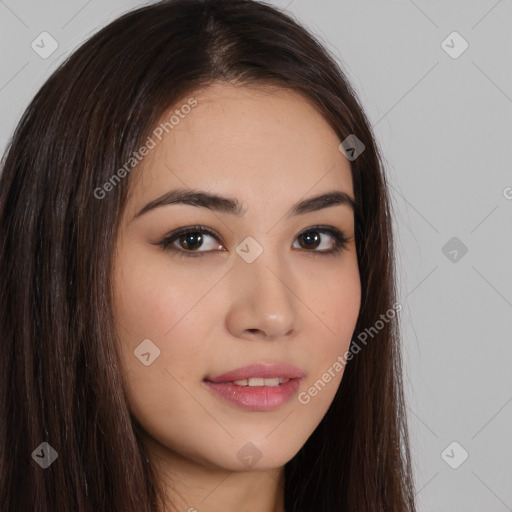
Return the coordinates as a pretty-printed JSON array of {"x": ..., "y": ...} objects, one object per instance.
[
  {"x": 253, "y": 372},
  {"x": 257, "y": 387},
  {"x": 256, "y": 382}
]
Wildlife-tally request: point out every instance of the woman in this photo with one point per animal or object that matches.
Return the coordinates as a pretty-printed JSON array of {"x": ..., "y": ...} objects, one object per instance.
[{"x": 171, "y": 338}]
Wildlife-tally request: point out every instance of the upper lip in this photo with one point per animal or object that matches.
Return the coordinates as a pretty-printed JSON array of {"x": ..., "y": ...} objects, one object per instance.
[{"x": 284, "y": 370}]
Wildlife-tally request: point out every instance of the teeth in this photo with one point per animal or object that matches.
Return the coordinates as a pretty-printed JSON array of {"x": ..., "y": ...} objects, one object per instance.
[{"x": 260, "y": 381}]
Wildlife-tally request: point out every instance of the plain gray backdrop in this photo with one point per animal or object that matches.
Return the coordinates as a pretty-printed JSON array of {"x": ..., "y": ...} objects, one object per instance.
[{"x": 435, "y": 79}]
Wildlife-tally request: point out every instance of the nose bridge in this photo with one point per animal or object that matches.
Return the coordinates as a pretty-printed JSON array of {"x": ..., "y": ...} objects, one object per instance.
[{"x": 263, "y": 297}]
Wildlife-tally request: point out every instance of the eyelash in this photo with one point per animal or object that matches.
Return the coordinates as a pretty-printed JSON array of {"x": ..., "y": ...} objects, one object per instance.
[{"x": 339, "y": 237}]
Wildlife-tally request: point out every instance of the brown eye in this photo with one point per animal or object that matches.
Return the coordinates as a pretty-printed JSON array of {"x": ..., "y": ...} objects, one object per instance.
[
  {"x": 187, "y": 241},
  {"x": 314, "y": 237},
  {"x": 191, "y": 241},
  {"x": 311, "y": 240}
]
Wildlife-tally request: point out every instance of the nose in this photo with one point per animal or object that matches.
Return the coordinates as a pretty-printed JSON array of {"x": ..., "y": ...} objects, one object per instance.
[{"x": 263, "y": 303}]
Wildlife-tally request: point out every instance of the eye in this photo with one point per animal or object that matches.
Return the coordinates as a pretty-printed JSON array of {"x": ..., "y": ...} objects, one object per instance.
[
  {"x": 186, "y": 241},
  {"x": 314, "y": 237}
]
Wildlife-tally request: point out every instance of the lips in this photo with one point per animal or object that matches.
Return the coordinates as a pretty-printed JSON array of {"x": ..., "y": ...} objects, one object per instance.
[
  {"x": 265, "y": 371},
  {"x": 256, "y": 388}
]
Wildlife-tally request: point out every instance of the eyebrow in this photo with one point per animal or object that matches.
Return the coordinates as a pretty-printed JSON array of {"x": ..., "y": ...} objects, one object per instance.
[{"x": 231, "y": 205}]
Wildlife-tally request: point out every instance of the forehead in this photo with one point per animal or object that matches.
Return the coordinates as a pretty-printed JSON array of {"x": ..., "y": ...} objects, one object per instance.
[{"x": 246, "y": 141}]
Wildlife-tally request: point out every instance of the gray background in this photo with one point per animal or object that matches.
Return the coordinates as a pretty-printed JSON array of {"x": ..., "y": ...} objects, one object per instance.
[{"x": 443, "y": 124}]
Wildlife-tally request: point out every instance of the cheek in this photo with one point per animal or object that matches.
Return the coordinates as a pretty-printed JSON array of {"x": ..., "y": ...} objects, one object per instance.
[
  {"x": 336, "y": 306},
  {"x": 154, "y": 299},
  {"x": 153, "y": 303},
  {"x": 340, "y": 300},
  {"x": 336, "y": 302},
  {"x": 158, "y": 312}
]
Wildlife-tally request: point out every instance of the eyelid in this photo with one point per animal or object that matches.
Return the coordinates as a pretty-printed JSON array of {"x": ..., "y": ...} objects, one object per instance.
[{"x": 189, "y": 229}]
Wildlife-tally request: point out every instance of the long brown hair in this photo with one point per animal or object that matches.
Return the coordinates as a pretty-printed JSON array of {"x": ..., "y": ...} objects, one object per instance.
[{"x": 60, "y": 379}]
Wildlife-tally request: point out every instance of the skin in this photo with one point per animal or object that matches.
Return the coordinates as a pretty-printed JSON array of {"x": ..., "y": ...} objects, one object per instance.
[{"x": 207, "y": 315}]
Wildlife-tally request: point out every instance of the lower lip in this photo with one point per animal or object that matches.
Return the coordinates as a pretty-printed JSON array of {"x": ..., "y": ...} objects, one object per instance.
[{"x": 257, "y": 398}]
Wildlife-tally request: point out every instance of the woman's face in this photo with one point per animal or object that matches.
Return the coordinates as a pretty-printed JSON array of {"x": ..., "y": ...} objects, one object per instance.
[{"x": 258, "y": 287}]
